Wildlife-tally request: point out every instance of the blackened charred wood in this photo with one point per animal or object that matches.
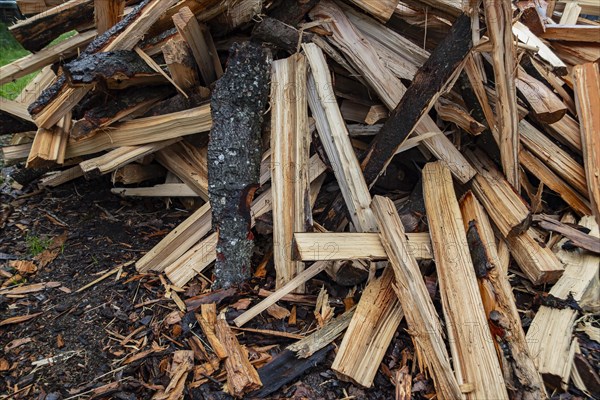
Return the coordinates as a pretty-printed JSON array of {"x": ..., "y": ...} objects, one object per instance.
[
  {"x": 117, "y": 105},
  {"x": 284, "y": 368},
  {"x": 291, "y": 12},
  {"x": 234, "y": 155},
  {"x": 427, "y": 84},
  {"x": 179, "y": 102},
  {"x": 111, "y": 65},
  {"x": 280, "y": 34},
  {"x": 36, "y": 32}
]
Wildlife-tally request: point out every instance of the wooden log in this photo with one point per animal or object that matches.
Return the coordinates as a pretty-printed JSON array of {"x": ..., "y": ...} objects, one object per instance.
[
  {"x": 382, "y": 10},
  {"x": 290, "y": 151},
  {"x": 507, "y": 209},
  {"x": 520, "y": 373},
  {"x": 107, "y": 13},
  {"x": 575, "y": 53},
  {"x": 58, "y": 178},
  {"x": 544, "y": 52},
  {"x": 354, "y": 246},
  {"x": 119, "y": 157},
  {"x": 188, "y": 163},
  {"x": 418, "y": 100},
  {"x": 550, "y": 337},
  {"x": 242, "y": 377},
  {"x": 423, "y": 321},
  {"x": 59, "y": 99},
  {"x": 587, "y": 86},
  {"x": 553, "y": 156},
  {"x": 136, "y": 173},
  {"x": 572, "y": 33},
  {"x": 237, "y": 104},
  {"x": 452, "y": 112},
  {"x": 33, "y": 62},
  {"x": 375, "y": 320},
  {"x": 566, "y": 131},
  {"x": 180, "y": 62},
  {"x": 200, "y": 41},
  {"x": 554, "y": 183},
  {"x": 498, "y": 14},
  {"x": 118, "y": 106},
  {"x": 334, "y": 136},
  {"x": 544, "y": 104},
  {"x": 474, "y": 356},
  {"x": 36, "y": 32}
]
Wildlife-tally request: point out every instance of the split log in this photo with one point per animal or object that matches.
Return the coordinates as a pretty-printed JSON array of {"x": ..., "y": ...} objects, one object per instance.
[
  {"x": 237, "y": 104},
  {"x": 566, "y": 131},
  {"x": 553, "y": 156},
  {"x": 361, "y": 113},
  {"x": 107, "y": 13},
  {"x": 531, "y": 15},
  {"x": 473, "y": 353},
  {"x": 544, "y": 52},
  {"x": 50, "y": 145},
  {"x": 373, "y": 325},
  {"x": 452, "y": 112},
  {"x": 498, "y": 15},
  {"x": 587, "y": 86},
  {"x": 162, "y": 190},
  {"x": 59, "y": 99},
  {"x": 119, "y": 157},
  {"x": 550, "y": 337},
  {"x": 423, "y": 322},
  {"x": 180, "y": 61},
  {"x": 576, "y": 53},
  {"x": 33, "y": 62},
  {"x": 413, "y": 104},
  {"x": 118, "y": 105},
  {"x": 290, "y": 151},
  {"x": 543, "y": 103},
  {"x": 200, "y": 41},
  {"x": 354, "y": 246},
  {"x": 576, "y": 237},
  {"x": 522, "y": 378},
  {"x": 188, "y": 163},
  {"x": 242, "y": 377},
  {"x": 570, "y": 13},
  {"x": 282, "y": 35},
  {"x": 29, "y": 7},
  {"x": 554, "y": 183},
  {"x": 14, "y": 109},
  {"x": 572, "y": 33},
  {"x": 36, "y": 32},
  {"x": 382, "y": 10},
  {"x": 58, "y": 178}
]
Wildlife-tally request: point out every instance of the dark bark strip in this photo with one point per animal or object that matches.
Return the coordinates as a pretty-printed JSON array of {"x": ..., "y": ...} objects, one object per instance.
[
  {"x": 429, "y": 81},
  {"x": 234, "y": 154}
]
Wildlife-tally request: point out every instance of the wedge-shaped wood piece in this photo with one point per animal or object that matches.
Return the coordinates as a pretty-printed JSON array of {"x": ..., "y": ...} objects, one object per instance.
[
  {"x": 334, "y": 136},
  {"x": 423, "y": 321},
  {"x": 409, "y": 113},
  {"x": 119, "y": 157},
  {"x": 290, "y": 152},
  {"x": 354, "y": 246},
  {"x": 58, "y": 100},
  {"x": 587, "y": 87},
  {"x": 200, "y": 41},
  {"x": 373, "y": 325},
  {"x": 474, "y": 356},
  {"x": 36, "y": 32},
  {"x": 520, "y": 373},
  {"x": 242, "y": 377},
  {"x": 107, "y": 13},
  {"x": 507, "y": 209},
  {"x": 572, "y": 33},
  {"x": 541, "y": 171},
  {"x": 545, "y": 105},
  {"x": 144, "y": 131},
  {"x": 180, "y": 62},
  {"x": 33, "y": 62},
  {"x": 187, "y": 162},
  {"x": 538, "y": 262},
  {"x": 550, "y": 334},
  {"x": 498, "y": 16},
  {"x": 382, "y": 10},
  {"x": 555, "y": 158}
]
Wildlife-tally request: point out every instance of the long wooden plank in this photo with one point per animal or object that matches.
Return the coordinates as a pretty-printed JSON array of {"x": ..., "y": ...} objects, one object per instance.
[
  {"x": 572, "y": 33},
  {"x": 474, "y": 355},
  {"x": 423, "y": 321},
  {"x": 354, "y": 246}
]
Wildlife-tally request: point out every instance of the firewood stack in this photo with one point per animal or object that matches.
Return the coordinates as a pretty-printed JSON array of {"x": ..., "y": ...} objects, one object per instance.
[{"x": 398, "y": 134}]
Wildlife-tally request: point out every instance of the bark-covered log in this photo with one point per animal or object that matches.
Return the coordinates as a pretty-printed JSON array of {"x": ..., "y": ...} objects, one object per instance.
[
  {"x": 234, "y": 154},
  {"x": 179, "y": 102},
  {"x": 282, "y": 35},
  {"x": 111, "y": 65}
]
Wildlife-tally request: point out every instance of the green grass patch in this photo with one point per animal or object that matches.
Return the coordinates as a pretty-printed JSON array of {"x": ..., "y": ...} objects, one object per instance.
[
  {"x": 11, "y": 50},
  {"x": 37, "y": 244}
]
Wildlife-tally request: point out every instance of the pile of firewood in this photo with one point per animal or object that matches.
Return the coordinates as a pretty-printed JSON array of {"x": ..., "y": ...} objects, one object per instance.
[{"x": 368, "y": 138}]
